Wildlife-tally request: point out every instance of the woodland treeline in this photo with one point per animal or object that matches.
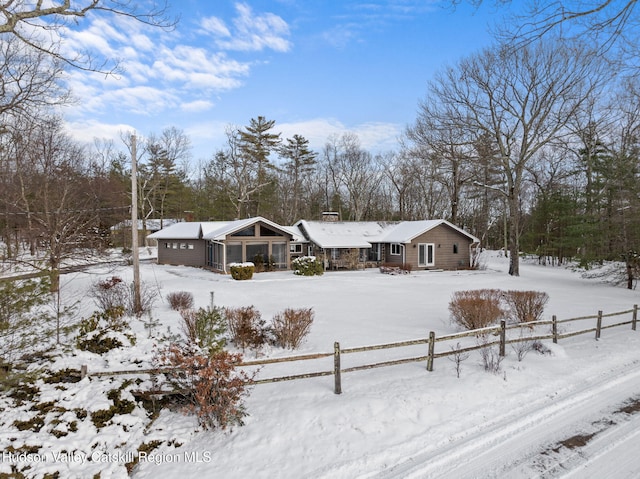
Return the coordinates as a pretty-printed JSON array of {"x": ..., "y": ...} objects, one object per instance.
[{"x": 532, "y": 147}]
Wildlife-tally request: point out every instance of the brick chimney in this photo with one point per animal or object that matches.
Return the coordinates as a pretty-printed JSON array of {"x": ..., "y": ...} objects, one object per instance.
[{"x": 330, "y": 216}]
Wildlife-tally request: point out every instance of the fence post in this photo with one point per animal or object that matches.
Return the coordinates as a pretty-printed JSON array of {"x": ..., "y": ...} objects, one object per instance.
[
  {"x": 634, "y": 318},
  {"x": 554, "y": 328},
  {"x": 83, "y": 371},
  {"x": 503, "y": 336},
  {"x": 212, "y": 303},
  {"x": 432, "y": 343},
  {"x": 336, "y": 368},
  {"x": 598, "y": 325}
]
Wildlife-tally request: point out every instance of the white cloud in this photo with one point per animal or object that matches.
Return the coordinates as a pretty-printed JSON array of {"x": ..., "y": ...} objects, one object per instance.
[
  {"x": 375, "y": 137},
  {"x": 197, "y": 106},
  {"x": 251, "y": 32},
  {"x": 87, "y": 131},
  {"x": 215, "y": 26},
  {"x": 195, "y": 67}
]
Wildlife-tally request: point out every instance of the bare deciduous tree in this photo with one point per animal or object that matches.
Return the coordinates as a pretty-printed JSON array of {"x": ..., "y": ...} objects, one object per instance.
[
  {"x": 42, "y": 25},
  {"x": 522, "y": 99}
]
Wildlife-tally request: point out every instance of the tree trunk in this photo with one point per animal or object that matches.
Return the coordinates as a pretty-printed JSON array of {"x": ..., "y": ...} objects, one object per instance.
[{"x": 514, "y": 234}]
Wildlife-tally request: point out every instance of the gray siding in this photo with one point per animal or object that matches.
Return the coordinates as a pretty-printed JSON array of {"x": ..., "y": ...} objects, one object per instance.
[
  {"x": 181, "y": 254},
  {"x": 443, "y": 239}
]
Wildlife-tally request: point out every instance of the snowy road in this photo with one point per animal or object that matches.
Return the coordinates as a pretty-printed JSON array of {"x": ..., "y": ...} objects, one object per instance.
[{"x": 580, "y": 433}]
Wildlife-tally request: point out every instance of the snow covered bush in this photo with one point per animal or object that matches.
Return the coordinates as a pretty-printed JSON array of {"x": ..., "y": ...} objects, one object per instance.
[
  {"x": 241, "y": 271},
  {"x": 474, "y": 309},
  {"x": 525, "y": 306},
  {"x": 307, "y": 266},
  {"x": 212, "y": 386},
  {"x": 104, "y": 331},
  {"x": 291, "y": 326},
  {"x": 179, "y": 300},
  {"x": 246, "y": 327},
  {"x": 204, "y": 328}
]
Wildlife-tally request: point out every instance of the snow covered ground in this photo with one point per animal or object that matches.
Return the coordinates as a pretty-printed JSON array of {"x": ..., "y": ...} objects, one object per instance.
[{"x": 569, "y": 413}]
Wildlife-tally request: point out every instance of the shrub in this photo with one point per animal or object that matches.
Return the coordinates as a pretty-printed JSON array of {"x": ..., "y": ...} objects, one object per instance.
[
  {"x": 476, "y": 309},
  {"x": 212, "y": 386},
  {"x": 120, "y": 406},
  {"x": 406, "y": 267},
  {"x": 258, "y": 263},
  {"x": 114, "y": 292},
  {"x": 204, "y": 328},
  {"x": 526, "y": 306},
  {"x": 491, "y": 359},
  {"x": 246, "y": 327},
  {"x": 307, "y": 266},
  {"x": 291, "y": 326},
  {"x": 180, "y": 300},
  {"x": 522, "y": 346},
  {"x": 20, "y": 317},
  {"x": 241, "y": 271},
  {"x": 396, "y": 268},
  {"x": 102, "y": 331},
  {"x": 109, "y": 293},
  {"x": 458, "y": 356}
]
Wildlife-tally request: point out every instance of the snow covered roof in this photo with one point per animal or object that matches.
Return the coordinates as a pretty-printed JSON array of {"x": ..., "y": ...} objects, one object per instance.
[
  {"x": 406, "y": 231},
  {"x": 296, "y": 234},
  {"x": 184, "y": 230},
  {"x": 220, "y": 230},
  {"x": 361, "y": 234},
  {"x": 211, "y": 230},
  {"x": 343, "y": 234}
]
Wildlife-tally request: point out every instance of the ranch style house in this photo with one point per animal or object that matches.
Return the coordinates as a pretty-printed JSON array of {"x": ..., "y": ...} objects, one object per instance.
[{"x": 427, "y": 244}]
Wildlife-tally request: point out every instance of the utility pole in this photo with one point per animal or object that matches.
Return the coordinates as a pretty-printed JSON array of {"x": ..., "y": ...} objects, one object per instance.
[{"x": 137, "y": 304}]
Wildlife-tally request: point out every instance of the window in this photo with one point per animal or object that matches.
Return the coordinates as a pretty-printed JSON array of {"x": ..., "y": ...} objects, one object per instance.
[
  {"x": 174, "y": 245},
  {"x": 250, "y": 231},
  {"x": 374, "y": 252},
  {"x": 167, "y": 245},
  {"x": 215, "y": 258},
  {"x": 279, "y": 251},
  {"x": 256, "y": 249},
  {"x": 264, "y": 231},
  {"x": 183, "y": 245},
  {"x": 396, "y": 249},
  {"x": 455, "y": 248},
  {"x": 426, "y": 254},
  {"x": 234, "y": 253},
  {"x": 190, "y": 246},
  {"x": 295, "y": 248}
]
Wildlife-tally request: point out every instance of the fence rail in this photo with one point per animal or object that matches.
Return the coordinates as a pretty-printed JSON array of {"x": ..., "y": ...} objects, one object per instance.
[{"x": 499, "y": 331}]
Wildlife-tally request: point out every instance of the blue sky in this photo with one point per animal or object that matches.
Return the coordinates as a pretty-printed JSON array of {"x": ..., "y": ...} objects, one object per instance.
[{"x": 315, "y": 67}]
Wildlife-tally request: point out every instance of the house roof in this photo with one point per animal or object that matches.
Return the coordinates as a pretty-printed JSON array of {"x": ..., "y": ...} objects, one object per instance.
[
  {"x": 343, "y": 234},
  {"x": 212, "y": 230},
  {"x": 296, "y": 234},
  {"x": 361, "y": 234},
  {"x": 407, "y": 231},
  {"x": 220, "y": 230},
  {"x": 184, "y": 230}
]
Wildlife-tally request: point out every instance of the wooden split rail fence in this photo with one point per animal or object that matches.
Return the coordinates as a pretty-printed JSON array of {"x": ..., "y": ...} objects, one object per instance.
[{"x": 499, "y": 331}]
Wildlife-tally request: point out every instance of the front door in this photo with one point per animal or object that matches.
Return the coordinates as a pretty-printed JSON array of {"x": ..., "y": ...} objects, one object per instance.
[{"x": 426, "y": 254}]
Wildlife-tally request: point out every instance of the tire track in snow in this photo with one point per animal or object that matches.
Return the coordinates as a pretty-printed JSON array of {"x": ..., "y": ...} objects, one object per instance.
[
  {"x": 611, "y": 451},
  {"x": 504, "y": 443}
]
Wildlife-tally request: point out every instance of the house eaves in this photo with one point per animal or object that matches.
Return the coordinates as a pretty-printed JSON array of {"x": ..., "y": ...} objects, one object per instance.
[
  {"x": 184, "y": 231},
  {"x": 225, "y": 229}
]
